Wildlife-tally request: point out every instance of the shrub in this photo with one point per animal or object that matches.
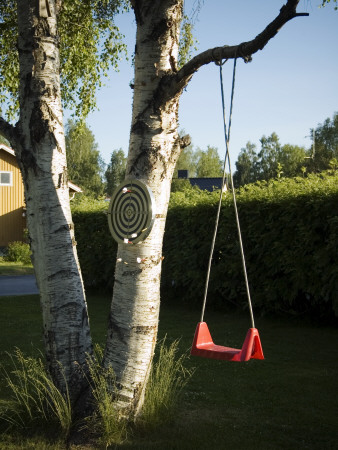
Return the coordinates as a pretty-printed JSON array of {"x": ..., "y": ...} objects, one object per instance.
[{"x": 18, "y": 252}]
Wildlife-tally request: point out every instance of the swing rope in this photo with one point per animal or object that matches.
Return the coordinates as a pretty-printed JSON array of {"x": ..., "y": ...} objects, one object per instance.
[{"x": 227, "y": 158}]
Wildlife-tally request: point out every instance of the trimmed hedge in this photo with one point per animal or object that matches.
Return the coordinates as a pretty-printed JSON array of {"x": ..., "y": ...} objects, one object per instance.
[
  {"x": 289, "y": 230},
  {"x": 95, "y": 246}
]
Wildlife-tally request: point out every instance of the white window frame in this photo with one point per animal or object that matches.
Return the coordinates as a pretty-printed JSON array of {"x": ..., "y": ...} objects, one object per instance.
[{"x": 10, "y": 177}]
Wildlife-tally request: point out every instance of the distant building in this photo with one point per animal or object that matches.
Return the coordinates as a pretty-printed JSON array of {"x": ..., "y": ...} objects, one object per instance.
[
  {"x": 206, "y": 184},
  {"x": 12, "y": 200}
]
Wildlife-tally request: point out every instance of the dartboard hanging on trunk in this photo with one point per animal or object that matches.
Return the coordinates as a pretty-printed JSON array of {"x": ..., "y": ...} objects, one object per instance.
[{"x": 131, "y": 212}]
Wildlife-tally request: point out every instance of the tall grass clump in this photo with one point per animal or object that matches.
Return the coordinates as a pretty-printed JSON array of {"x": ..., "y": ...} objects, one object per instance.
[
  {"x": 34, "y": 398},
  {"x": 167, "y": 378},
  {"x": 107, "y": 421}
]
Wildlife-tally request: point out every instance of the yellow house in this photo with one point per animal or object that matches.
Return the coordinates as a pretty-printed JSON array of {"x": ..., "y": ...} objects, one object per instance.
[{"x": 12, "y": 200}]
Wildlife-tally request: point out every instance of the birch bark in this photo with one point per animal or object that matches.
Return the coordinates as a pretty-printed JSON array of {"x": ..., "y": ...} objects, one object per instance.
[
  {"x": 40, "y": 149},
  {"x": 153, "y": 151}
]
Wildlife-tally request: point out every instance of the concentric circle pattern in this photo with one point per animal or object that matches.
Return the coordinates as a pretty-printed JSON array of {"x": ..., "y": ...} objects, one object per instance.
[{"x": 131, "y": 212}]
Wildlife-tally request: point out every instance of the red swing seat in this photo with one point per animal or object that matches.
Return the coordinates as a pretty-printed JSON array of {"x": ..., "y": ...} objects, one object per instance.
[{"x": 204, "y": 346}]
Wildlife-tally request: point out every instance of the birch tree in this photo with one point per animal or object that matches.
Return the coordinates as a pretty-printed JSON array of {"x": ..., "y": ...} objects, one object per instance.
[
  {"x": 155, "y": 146},
  {"x": 30, "y": 74}
]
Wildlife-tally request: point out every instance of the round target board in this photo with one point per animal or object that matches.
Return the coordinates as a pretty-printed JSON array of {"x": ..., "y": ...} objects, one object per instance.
[{"x": 131, "y": 212}]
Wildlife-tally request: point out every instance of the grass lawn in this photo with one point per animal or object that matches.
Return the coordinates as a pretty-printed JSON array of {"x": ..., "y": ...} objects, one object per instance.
[
  {"x": 14, "y": 268},
  {"x": 287, "y": 401}
]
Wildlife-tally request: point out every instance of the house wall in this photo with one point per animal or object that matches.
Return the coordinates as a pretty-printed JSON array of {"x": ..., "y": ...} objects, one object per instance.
[{"x": 12, "y": 203}]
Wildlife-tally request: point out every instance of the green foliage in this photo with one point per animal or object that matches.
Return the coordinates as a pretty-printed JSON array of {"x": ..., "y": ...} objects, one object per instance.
[
  {"x": 246, "y": 165},
  {"x": 269, "y": 156},
  {"x": 325, "y": 147},
  {"x": 290, "y": 241},
  {"x": 325, "y": 2},
  {"x": 107, "y": 420},
  {"x": 167, "y": 378},
  {"x": 291, "y": 159},
  {"x": 199, "y": 163},
  {"x": 3, "y": 141},
  {"x": 187, "y": 41},
  {"x": 209, "y": 163},
  {"x": 18, "y": 251},
  {"x": 84, "y": 164},
  {"x": 90, "y": 44},
  {"x": 186, "y": 161},
  {"x": 180, "y": 184},
  {"x": 34, "y": 397},
  {"x": 96, "y": 248},
  {"x": 273, "y": 160},
  {"x": 116, "y": 170},
  {"x": 9, "y": 64}
]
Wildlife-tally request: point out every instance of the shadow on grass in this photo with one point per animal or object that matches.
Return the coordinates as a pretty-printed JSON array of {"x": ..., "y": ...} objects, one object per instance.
[{"x": 286, "y": 401}]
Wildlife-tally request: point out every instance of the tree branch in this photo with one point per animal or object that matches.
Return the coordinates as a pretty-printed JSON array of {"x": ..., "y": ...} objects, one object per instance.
[
  {"x": 245, "y": 50},
  {"x": 8, "y": 131}
]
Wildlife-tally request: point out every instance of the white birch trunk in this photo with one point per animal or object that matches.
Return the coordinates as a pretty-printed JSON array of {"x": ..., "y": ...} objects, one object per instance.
[
  {"x": 42, "y": 158},
  {"x": 153, "y": 151}
]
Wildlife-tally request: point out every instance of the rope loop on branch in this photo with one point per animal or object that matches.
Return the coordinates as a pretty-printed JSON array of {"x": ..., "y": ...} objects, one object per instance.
[
  {"x": 221, "y": 62},
  {"x": 218, "y": 60}
]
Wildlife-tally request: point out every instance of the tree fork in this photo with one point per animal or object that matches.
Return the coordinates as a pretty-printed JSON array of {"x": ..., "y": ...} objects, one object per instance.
[{"x": 176, "y": 82}]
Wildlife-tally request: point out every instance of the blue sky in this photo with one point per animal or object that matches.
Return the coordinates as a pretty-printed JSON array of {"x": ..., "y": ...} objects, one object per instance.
[{"x": 288, "y": 88}]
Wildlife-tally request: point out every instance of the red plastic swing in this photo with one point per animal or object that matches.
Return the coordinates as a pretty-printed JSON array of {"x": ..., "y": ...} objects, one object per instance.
[{"x": 204, "y": 346}]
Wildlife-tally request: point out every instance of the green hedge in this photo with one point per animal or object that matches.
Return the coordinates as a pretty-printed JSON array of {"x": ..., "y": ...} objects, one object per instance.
[
  {"x": 289, "y": 229},
  {"x": 95, "y": 246}
]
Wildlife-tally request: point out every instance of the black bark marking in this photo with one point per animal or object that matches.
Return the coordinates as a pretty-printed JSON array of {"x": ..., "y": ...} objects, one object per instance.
[
  {"x": 84, "y": 320},
  {"x": 132, "y": 273},
  {"x": 138, "y": 14},
  {"x": 70, "y": 305},
  {"x": 44, "y": 8},
  {"x": 67, "y": 227},
  {"x": 114, "y": 328},
  {"x": 27, "y": 86},
  {"x": 63, "y": 274},
  {"x": 172, "y": 62},
  {"x": 140, "y": 128},
  {"x": 28, "y": 161},
  {"x": 145, "y": 330},
  {"x": 184, "y": 141},
  {"x": 160, "y": 28},
  {"x": 38, "y": 125},
  {"x": 60, "y": 180}
]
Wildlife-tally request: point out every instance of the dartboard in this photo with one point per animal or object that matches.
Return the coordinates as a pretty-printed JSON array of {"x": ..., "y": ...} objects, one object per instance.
[{"x": 131, "y": 212}]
